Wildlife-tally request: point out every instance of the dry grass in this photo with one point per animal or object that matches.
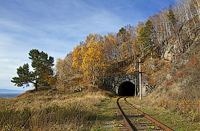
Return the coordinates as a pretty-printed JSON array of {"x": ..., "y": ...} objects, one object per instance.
[
  {"x": 50, "y": 110},
  {"x": 173, "y": 119}
]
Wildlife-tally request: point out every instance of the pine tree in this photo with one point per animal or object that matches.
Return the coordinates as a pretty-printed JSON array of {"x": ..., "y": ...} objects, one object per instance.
[
  {"x": 42, "y": 74},
  {"x": 145, "y": 35},
  {"x": 172, "y": 19}
]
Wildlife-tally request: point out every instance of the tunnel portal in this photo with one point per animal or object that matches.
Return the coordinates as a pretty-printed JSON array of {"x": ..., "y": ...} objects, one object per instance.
[{"x": 126, "y": 89}]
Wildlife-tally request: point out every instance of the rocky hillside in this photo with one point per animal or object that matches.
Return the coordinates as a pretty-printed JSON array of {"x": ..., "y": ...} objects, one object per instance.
[
  {"x": 173, "y": 82},
  {"x": 181, "y": 76}
]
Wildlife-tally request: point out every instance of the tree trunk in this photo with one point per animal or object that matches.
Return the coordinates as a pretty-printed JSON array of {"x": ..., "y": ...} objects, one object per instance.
[
  {"x": 36, "y": 86},
  {"x": 93, "y": 80},
  {"x": 198, "y": 8}
]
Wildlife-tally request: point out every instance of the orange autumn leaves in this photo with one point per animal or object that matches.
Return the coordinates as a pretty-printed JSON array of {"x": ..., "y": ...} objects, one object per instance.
[{"x": 89, "y": 59}]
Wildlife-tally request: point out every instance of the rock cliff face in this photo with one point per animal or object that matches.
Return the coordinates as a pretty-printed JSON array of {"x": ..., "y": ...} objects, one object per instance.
[
  {"x": 180, "y": 68},
  {"x": 177, "y": 79},
  {"x": 182, "y": 41}
]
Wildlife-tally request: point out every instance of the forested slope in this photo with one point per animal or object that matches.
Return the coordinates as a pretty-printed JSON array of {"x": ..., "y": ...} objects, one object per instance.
[{"x": 164, "y": 36}]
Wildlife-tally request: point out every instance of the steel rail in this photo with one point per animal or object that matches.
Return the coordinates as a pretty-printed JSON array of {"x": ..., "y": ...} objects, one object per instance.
[
  {"x": 127, "y": 122},
  {"x": 150, "y": 118}
]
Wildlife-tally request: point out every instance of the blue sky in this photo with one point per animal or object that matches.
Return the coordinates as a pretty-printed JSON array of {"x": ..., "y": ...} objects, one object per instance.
[{"x": 57, "y": 26}]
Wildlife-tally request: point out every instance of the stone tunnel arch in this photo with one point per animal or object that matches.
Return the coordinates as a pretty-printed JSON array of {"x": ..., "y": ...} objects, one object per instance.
[{"x": 126, "y": 88}]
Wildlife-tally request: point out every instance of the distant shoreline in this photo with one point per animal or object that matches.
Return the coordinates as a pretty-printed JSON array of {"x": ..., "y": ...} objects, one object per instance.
[{"x": 9, "y": 95}]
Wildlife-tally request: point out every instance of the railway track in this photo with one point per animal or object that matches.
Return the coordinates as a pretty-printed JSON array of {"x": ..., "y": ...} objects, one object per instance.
[{"x": 135, "y": 120}]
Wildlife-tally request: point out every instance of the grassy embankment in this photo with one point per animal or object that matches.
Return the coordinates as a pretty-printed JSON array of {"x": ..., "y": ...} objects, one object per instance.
[{"x": 50, "y": 110}]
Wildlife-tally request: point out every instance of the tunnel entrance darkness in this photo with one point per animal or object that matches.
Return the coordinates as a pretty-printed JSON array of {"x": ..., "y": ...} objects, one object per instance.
[{"x": 126, "y": 89}]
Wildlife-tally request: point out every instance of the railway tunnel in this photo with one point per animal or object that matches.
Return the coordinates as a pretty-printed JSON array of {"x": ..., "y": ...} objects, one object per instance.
[{"x": 126, "y": 89}]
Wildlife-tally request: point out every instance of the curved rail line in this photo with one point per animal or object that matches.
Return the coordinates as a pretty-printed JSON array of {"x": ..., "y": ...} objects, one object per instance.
[{"x": 128, "y": 122}]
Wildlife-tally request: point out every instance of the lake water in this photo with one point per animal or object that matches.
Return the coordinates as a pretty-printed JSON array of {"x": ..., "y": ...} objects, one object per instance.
[{"x": 9, "y": 95}]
